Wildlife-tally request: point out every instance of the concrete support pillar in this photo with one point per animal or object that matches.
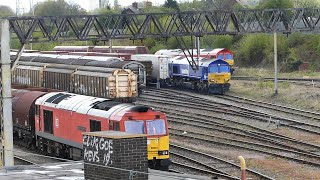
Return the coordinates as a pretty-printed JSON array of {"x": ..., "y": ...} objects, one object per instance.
[{"x": 6, "y": 109}]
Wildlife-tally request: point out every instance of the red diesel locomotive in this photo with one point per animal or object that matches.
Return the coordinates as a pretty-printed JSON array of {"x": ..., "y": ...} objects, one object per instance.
[{"x": 54, "y": 123}]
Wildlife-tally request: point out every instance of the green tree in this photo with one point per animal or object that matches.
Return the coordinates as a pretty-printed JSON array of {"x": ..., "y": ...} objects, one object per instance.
[
  {"x": 253, "y": 49},
  {"x": 57, "y": 8},
  {"x": 171, "y": 4},
  {"x": 6, "y": 11},
  {"x": 306, "y": 3},
  {"x": 275, "y": 4}
]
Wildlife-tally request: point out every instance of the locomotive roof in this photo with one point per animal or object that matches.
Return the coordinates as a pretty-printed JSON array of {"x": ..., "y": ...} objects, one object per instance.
[
  {"x": 176, "y": 52},
  {"x": 94, "y": 106},
  {"x": 202, "y": 61},
  {"x": 183, "y": 60},
  {"x": 214, "y": 51}
]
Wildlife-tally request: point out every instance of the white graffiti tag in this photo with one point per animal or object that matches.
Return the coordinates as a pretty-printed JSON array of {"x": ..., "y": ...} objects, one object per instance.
[{"x": 96, "y": 148}]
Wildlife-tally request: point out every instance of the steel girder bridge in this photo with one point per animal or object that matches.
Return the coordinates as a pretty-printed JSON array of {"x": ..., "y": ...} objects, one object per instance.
[{"x": 163, "y": 25}]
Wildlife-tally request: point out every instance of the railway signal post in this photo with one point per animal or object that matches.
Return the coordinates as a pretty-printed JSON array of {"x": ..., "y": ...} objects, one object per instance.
[
  {"x": 6, "y": 151},
  {"x": 275, "y": 63}
]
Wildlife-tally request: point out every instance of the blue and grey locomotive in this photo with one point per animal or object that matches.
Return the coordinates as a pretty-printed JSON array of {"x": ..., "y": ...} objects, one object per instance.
[{"x": 212, "y": 76}]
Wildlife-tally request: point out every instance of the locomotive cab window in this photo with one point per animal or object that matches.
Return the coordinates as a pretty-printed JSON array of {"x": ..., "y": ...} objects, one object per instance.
[
  {"x": 135, "y": 127},
  {"x": 229, "y": 56},
  {"x": 95, "y": 125},
  {"x": 220, "y": 56},
  {"x": 156, "y": 127},
  {"x": 175, "y": 69},
  {"x": 213, "y": 69},
  {"x": 48, "y": 121},
  {"x": 224, "y": 68}
]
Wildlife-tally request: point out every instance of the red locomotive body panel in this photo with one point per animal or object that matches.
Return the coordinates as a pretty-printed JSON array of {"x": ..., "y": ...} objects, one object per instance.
[{"x": 220, "y": 53}]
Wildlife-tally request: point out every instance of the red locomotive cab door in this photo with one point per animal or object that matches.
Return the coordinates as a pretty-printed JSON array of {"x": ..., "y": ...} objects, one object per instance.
[
  {"x": 37, "y": 117},
  {"x": 48, "y": 121}
]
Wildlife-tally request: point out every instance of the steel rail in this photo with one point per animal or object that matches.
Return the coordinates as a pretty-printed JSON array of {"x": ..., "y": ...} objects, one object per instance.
[{"x": 219, "y": 159}]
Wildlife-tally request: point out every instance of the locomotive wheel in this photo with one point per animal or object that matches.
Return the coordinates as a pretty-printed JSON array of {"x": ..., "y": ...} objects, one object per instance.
[
  {"x": 175, "y": 83},
  {"x": 200, "y": 88},
  {"x": 203, "y": 88},
  {"x": 181, "y": 84},
  {"x": 195, "y": 86}
]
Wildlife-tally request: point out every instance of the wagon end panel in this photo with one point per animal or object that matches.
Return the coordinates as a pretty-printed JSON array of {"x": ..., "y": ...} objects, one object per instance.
[{"x": 123, "y": 85}]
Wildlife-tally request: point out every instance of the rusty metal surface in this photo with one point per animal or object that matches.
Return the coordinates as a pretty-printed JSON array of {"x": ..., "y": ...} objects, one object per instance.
[{"x": 23, "y": 107}]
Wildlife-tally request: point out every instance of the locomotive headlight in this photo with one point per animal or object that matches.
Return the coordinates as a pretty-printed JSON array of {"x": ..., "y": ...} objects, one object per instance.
[{"x": 163, "y": 152}]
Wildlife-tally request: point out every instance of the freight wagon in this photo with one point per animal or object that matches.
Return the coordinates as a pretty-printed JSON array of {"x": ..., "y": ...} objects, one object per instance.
[
  {"x": 95, "y": 61},
  {"x": 119, "y": 84},
  {"x": 160, "y": 66}
]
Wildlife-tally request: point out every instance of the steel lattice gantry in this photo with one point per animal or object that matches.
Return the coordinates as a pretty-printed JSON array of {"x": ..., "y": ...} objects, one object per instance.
[{"x": 163, "y": 25}]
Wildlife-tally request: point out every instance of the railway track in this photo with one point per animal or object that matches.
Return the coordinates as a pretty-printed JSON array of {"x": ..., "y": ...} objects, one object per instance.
[
  {"x": 26, "y": 157},
  {"x": 211, "y": 162},
  {"x": 186, "y": 168},
  {"x": 244, "y": 133},
  {"x": 177, "y": 107},
  {"x": 273, "y": 150},
  {"x": 276, "y": 107},
  {"x": 188, "y": 100},
  {"x": 312, "y": 82}
]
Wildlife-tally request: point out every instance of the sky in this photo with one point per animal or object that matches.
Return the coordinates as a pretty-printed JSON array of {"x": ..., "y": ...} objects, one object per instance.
[{"x": 86, "y": 4}]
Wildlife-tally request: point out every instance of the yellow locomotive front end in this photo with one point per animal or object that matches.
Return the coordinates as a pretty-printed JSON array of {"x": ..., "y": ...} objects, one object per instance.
[
  {"x": 158, "y": 144},
  {"x": 155, "y": 126},
  {"x": 158, "y": 152},
  {"x": 219, "y": 75}
]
